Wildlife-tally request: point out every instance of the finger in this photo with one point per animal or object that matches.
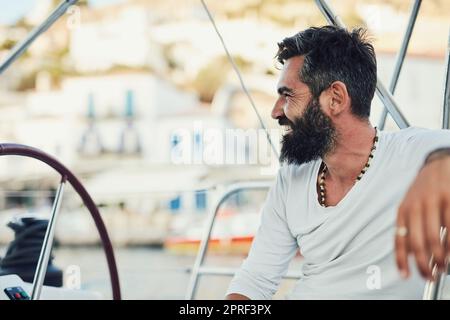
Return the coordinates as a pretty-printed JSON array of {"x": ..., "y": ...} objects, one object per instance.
[
  {"x": 416, "y": 241},
  {"x": 401, "y": 246},
  {"x": 431, "y": 216}
]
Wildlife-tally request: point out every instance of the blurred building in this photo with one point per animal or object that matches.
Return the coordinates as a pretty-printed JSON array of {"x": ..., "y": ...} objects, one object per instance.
[{"x": 124, "y": 39}]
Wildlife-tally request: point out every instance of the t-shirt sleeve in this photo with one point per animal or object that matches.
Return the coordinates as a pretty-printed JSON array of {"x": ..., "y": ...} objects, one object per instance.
[
  {"x": 272, "y": 249},
  {"x": 420, "y": 142}
]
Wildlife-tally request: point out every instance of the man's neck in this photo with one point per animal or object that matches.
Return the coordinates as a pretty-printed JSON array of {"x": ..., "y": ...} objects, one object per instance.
[{"x": 351, "y": 153}]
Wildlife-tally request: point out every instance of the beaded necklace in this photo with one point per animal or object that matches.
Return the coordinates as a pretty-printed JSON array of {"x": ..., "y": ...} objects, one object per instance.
[{"x": 324, "y": 171}]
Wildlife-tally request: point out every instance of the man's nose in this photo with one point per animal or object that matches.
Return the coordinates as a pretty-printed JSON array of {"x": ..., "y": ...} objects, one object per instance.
[{"x": 277, "y": 111}]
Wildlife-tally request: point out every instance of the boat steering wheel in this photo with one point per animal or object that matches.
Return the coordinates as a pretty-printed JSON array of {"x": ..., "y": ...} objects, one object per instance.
[{"x": 66, "y": 175}]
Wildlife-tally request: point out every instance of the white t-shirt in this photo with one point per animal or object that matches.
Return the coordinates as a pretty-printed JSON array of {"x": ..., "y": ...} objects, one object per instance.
[{"x": 348, "y": 249}]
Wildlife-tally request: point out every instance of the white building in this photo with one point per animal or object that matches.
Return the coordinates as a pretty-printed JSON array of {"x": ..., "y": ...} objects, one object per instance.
[
  {"x": 124, "y": 39},
  {"x": 57, "y": 120},
  {"x": 195, "y": 41}
]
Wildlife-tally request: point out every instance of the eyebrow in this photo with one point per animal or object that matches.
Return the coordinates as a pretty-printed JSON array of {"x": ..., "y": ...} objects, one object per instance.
[{"x": 284, "y": 89}]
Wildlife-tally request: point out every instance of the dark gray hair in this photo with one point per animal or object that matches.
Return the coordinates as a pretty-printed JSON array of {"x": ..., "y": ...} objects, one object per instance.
[{"x": 335, "y": 54}]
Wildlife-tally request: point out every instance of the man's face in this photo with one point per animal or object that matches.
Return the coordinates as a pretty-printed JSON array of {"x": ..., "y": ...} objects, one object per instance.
[{"x": 310, "y": 133}]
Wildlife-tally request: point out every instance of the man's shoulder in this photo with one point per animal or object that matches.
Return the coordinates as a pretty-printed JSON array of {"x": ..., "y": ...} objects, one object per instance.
[
  {"x": 415, "y": 142},
  {"x": 407, "y": 132},
  {"x": 412, "y": 134}
]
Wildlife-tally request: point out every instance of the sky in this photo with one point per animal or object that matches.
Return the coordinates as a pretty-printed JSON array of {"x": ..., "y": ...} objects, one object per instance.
[{"x": 11, "y": 11}]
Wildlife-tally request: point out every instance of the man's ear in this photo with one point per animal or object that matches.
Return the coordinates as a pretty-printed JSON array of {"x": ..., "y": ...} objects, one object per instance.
[{"x": 336, "y": 98}]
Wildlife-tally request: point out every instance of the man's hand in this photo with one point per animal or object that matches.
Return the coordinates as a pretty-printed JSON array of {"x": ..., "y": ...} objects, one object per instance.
[{"x": 422, "y": 213}]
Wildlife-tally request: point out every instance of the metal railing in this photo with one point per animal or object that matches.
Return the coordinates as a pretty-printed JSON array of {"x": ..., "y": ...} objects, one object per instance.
[
  {"x": 446, "y": 102},
  {"x": 20, "y": 48},
  {"x": 384, "y": 95},
  {"x": 198, "y": 269},
  {"x": 434, "y": 289},
  {"x": 401, "y": 58}
]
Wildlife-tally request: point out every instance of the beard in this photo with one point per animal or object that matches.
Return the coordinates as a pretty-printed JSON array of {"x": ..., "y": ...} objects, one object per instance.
[{"x": 311, "y": 136}]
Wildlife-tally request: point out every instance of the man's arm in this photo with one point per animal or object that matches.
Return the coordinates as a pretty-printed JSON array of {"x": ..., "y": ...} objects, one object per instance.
[
  {"x": 424, "y": 210},
  {"x": 437, "y": 154},
  {"x": 272, "y": 249},
  {"x": 236, "y": 296}
]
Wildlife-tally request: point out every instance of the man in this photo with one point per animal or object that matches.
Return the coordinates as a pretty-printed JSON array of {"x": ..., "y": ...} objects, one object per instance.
[{"x": 353, "y": 200}]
